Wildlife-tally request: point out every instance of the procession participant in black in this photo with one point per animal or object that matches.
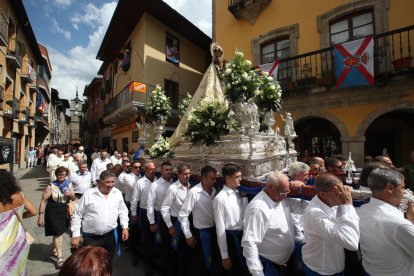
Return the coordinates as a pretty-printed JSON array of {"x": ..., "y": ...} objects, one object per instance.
[
  {"x": 229, "y": 209},
  {"x": 199, "y": 203},
  {"x": 97, "y": 212}
]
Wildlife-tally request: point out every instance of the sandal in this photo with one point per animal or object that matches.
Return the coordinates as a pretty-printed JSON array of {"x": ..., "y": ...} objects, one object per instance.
[
  {"x": 59, "y": 262},
  {"x": 54, "y": 253}
]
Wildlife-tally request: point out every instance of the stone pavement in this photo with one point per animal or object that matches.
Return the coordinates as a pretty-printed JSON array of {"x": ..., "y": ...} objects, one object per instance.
[{"x": 33, "y": 181}]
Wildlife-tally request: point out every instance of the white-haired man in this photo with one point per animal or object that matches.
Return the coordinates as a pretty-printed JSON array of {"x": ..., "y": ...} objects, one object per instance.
[
  {"x": 387, "y": 238},
  {"x": 269, "y": 235}
]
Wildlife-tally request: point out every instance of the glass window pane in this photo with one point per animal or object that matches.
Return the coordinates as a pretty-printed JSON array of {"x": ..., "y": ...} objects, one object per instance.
[
  {"x": 361, "y": 19},
  {"x": 339, "y": 38},
  {"x": 283, "y": 44},
  {"x": 363, "y": 31},
  {"x": 339, "y": 26},
  {"x": 283, "y": 53},
  {"x": 268, "y": 49}
]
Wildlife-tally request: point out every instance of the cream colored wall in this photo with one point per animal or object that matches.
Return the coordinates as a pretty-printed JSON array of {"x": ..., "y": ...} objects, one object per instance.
[
  {"x": 234, "y": 33},
  {"x": 192, "y": 58}
]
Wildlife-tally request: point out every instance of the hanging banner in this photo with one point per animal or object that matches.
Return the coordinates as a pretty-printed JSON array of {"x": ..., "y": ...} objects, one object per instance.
[{"x": 137, "y": 87}]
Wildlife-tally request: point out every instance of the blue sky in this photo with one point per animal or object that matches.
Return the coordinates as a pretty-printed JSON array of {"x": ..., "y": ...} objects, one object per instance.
[{"x": 73, "y": 30}]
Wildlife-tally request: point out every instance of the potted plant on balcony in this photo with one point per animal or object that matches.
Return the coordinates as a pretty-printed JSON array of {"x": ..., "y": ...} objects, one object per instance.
[
  {"x": 402, "y": 63},
  {"x": 327, "y": 78}
]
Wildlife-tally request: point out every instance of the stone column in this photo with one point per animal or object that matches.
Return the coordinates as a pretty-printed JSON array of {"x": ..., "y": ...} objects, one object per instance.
[{"x": 355, "y": 145}]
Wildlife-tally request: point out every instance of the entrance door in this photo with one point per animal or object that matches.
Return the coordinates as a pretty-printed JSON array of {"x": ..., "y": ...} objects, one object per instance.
[{"x": 125, "y": 144}]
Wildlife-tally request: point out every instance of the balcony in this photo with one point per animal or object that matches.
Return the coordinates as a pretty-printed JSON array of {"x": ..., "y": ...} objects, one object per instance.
[
  {"x": 126, "y": 104},
  {"x": 24, "y": 116},
  {"x": 315, "y": 70},
  {"x": 27, "y": 74},
  {"x": 42, "y": 119},
  {"x": 4, "y": 30},
  {"x": 247, "y": 9},
  {"x": 11, "y": 107},
  {"x": 15, "y": 53}
]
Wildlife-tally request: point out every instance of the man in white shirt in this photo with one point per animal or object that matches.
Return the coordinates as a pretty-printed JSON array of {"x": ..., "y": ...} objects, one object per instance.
[
  {"x": 97, "y": 212},
  {"x": 140, "y": 195},
  {"x": 229, "y": 209},
  {"x": 387, "y": 238},
  {"x": 156, "y": 196},
  {"x": 113, "y": 158},
  {"x": 330, "y": 225},
  {"x": 268, "y": 235},
  {"x": 81, "y": 180},
  {"x": 202, "y": 240},
  {"x": 82, "y": 154},
  {"x": 126, "y": 167},
  {"x": 95, "y": 154},
  {"x": 98, "y": 166},
  {"x": 130, "y": 181},
  {"x": 173, "y": 201},
  {"x": 53, "y": 162}
]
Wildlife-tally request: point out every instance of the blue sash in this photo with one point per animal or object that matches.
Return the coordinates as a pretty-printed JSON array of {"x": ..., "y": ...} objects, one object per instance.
[
  {"x": 309, "y": 272},
  {"x": 250, "y": 191},
  {"x": 235, "y": 235},
  {"x": 269, "y": 268},
  {"x": 206, "y": 246},
  {"x": 178, "y": 230},
  {"x": 62, "y": 187}
]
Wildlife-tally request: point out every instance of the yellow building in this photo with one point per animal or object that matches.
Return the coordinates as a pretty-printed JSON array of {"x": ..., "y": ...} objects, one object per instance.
[
  {"x": 146, "y": 44},
  {"x": 20, "y": 59},
  {"x": 300, "y": 34}
]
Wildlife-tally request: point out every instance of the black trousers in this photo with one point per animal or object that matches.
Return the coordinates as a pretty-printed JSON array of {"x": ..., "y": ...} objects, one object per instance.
[
  {"x": 168, "y": 255},
  {"x": 147, "y": 239},
  {"x": 239, "y": 266},
  {"x": 106, "y": 241}
]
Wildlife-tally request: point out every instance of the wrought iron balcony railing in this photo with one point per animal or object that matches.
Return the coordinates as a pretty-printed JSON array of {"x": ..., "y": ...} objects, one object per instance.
[
  {"x": 4, "y": 30},
  {"x": 11, "y": 106},
  {"x": 15, "y": 52},
  {"x": 392, "y": 54}
]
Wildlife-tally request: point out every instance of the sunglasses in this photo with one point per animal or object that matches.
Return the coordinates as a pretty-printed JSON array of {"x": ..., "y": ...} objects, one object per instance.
[
  {"x": 137, "y": 167},
  {"x": 284, "y": 194}
]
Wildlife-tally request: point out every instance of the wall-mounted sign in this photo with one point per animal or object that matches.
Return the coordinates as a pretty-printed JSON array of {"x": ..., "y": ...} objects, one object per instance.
[
  {"x": 137, "y": 87},
  {"x": 6, "y": 151}
]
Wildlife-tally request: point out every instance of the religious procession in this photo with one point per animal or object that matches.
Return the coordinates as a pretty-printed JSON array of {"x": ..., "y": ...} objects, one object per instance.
[{"x": 263, "y": 168}]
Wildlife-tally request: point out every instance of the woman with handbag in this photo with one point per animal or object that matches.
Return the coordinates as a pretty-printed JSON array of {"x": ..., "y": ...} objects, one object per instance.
[
  {"x": 14, "y": 247},
  {"x": 52, "y": 210}
]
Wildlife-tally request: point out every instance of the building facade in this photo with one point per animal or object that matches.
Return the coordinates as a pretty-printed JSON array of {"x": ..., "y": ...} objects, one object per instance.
[
  {"x": 93, "y": 124},
  {"x": 301, "y": 36},
  {"x": 146, "y": 45},
  {"x": 20, "y": 59}
]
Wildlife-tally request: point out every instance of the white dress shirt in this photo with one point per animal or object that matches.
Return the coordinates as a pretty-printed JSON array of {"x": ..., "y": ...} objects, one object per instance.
[
  {"x": 156, "y": 195},
  {"x": 269, "y": 231},
  {"x": 98, "y": 214},
  {"x": 95, "y": 155},
  {"x": 173, "y": 201},
  {"x": 121, "y": 177},
  {"x": 200, "y": 203},
  {"x": 140, "y": 194},
  {"x": 98, "y": 166},
  {"x": 129, "y": 182},
  {"x": 387, "y": 239},
  {"x": 229, "y": 209},
  {"x": 81, "y": 182},
  {"x": 114, "y": 160},
  {"x": 328, "y": 231}
]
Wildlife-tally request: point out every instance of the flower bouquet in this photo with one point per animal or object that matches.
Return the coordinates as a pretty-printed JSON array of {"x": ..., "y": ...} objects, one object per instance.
[
  {"x": 183, "y": 105},
  {"x": 207, "y": 122},
  {"x": 161, "y": 149},
  {"x": 268, "y": 94},
  {"x": 158, "y": 107},
  {"x": 239, "y": 80}
]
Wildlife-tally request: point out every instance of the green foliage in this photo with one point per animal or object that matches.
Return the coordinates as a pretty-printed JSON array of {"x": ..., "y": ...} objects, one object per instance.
[
  {"x": 239, "y": 80},
  {"x": 183, "y": 105},
  {"x": 208, "y": 122},
  {"x": 158, "y": 107}
]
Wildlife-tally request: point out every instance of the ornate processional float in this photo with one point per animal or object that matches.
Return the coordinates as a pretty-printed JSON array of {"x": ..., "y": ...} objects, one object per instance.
[{"x": 230, "y": 118}]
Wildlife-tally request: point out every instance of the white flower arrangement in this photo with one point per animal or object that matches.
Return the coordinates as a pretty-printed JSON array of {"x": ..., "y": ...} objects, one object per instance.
[
  {"x": 158, "y": 107},
  {"x": 161, "y": 149},
  {"x": 268, "y": 94},
  {"x": 183, "y": 105},
  {"x": 208, "y": 122},
  {"x": 239, "y": 80}
]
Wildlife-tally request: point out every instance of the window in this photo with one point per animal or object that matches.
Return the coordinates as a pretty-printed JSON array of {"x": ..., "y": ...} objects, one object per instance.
[
  {"x": 172, "y": 49},
  {"x": 276, "y": 50},
  {"x": 352, "y": 27},
  {"x": 171, "y": 91},
  {"x": 135, "y": 136}
]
